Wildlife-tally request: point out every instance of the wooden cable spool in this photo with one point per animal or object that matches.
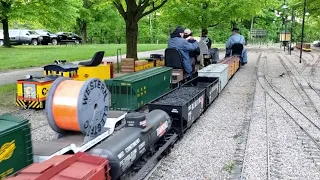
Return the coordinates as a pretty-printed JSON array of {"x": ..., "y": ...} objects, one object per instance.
[{"x": 80, "y": 106}]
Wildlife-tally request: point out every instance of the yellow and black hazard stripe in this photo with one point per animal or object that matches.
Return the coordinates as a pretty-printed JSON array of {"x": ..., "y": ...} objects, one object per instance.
[
  {"x": 35, "y": 105},
  {"x": 20, "y": 103},
  {"x": 30, "y": 104}
]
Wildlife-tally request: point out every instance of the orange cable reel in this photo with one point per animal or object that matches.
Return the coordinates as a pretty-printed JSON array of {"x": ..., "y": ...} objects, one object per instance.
[{"x": 80, "y": 106}]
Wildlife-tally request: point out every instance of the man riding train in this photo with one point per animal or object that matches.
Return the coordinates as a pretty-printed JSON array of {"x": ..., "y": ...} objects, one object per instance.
[
  {"x": 177, "y": 41},
  {"x": 182, "y": 40},
  {"x": 236, "y": 43}
]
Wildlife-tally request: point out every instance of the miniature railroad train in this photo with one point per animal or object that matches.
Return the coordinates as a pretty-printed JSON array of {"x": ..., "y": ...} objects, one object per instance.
[
  {"x": 32, "y": 91},
  {"x": 169, "y": 116},
  {"x": 305, "y": 46}
]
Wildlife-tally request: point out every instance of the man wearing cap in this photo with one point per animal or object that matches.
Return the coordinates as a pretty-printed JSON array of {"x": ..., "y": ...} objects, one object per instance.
[
  {"x": 237, "y": 38},
  {"x": 177, "y": 41}
]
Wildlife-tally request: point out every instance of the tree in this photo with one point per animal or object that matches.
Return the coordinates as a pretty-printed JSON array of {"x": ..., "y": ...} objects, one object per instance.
[
  {"x": 85, "y": 17},
  {"x": 135, "y": 10},
  {"x": 5, "y": 8},
  {"x": 105, "y": 19}
]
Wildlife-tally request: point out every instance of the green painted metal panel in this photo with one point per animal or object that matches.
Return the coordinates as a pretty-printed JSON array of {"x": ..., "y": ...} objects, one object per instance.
[
  {"x": 132, "y": 91},
  {"x": 15, "y": 144}
]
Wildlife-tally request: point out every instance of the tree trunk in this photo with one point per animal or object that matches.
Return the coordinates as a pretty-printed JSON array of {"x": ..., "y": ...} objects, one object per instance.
[
  {"x": 6, "y": 38},
  {"x": 132, "y": 38},
  {"x": 84, "y": 32},
  {"x": 252, "y": 22}
]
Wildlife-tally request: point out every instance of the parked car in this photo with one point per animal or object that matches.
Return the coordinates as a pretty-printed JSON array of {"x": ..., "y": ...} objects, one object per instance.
[
  {"x": 69, "y": 37},
  {"x": 316, "y": 43},
  {"x": 53, "y": 39},
  {"x": 1, "y": 38},
  {"x": 18, "y": 36}
]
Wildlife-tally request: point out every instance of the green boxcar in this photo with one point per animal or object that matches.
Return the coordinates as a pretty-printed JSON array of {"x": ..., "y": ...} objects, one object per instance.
[
  {"x": 134, "y": 90},
  {"x": 15, "y": 145}
]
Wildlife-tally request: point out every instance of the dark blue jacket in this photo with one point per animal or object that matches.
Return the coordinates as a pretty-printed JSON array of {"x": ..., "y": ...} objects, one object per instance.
[{"x": 185, "y": 47}]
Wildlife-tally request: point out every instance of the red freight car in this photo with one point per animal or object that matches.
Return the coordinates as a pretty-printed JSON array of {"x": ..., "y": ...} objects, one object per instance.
[{"x": 80, "y": 166}]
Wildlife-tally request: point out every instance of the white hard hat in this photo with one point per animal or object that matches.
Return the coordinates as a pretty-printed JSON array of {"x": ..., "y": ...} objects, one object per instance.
[{"x": 187, "y": 31}]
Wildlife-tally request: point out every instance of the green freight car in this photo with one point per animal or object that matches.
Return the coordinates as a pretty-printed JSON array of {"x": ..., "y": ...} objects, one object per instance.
[
  {"x": 15, "y": 145},
  {"x": 132, "y": 91}
]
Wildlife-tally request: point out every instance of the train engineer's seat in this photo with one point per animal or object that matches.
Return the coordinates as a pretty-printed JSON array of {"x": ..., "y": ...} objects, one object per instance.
[
  {"x": 95, "y": 61},
  {"x": 173, "y": 58},
  {"x": 236, "y": 49},
  {"x": 95, "y": 68}
]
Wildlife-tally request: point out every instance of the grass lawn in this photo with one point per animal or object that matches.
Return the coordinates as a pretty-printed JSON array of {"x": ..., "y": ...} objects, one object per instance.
[
  {"x": 8, "y": 95},
  {"x": 26, "y": 56}
]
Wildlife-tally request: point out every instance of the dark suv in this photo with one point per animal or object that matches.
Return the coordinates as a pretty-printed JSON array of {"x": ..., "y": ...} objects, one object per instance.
[
  {"x": 65, "y": 37},
  {"x": 53, "y": 39}
]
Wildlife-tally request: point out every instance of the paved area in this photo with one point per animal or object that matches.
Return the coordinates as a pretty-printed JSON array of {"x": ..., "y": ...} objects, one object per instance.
[{"x": 13, "y": 76}]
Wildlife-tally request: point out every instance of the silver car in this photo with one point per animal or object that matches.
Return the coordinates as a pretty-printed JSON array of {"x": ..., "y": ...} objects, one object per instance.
[{"x": 19, "y": 37}]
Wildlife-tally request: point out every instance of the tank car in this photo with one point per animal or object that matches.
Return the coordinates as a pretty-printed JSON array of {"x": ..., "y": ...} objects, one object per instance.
[{"x": 142, "y": 132}]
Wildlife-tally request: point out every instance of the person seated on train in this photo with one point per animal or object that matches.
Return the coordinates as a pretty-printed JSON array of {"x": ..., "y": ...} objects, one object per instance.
[
  {"x": 213, "y": 51},
  {"x": 237, "y": 38},
  {"x": 176, "y": 40},
  {"x": 193, "y": 54}
]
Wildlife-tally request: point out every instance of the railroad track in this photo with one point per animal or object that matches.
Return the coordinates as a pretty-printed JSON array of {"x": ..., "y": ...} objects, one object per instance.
[
  {"x": 311, "y": 65},
  {"x": 307, "y": 132},
  {"x": 298, "y": 80},
  {"x": 304, "y": 129},
  {"x": 240, "y": 154}
]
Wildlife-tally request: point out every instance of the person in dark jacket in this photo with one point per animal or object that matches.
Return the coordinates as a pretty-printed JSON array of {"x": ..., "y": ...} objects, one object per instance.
[{"x": 177, "y": 41}]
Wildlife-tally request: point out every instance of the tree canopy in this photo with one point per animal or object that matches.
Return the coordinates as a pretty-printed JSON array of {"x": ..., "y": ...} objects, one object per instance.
[{"x": 151, "y": 21}]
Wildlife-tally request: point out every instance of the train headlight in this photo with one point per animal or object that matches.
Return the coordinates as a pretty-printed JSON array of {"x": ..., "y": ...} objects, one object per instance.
[{"x": 29, "y": 91}]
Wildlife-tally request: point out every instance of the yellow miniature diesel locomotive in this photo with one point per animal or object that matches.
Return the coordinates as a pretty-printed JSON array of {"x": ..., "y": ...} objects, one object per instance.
[{"x": 32, "y": 91}]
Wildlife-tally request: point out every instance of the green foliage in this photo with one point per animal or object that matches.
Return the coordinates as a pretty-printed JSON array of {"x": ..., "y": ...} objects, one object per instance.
[
  {"x": 106, "y": 25},
  {"x": 48, "y": 14}
]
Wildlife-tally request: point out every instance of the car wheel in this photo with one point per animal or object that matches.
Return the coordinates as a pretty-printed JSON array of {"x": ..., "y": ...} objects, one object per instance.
[
  {"x": 77, "y": 42},
  {"x": 34, "y": 42},
  {"x": 1, "y": 43},
  {"x": 54, "y": 41}
]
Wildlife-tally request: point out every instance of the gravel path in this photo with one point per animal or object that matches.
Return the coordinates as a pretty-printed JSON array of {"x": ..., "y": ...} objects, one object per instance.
[
  {"x": 40, "y": 129},
  {"x": 206, "y": 151},
  {"x": 288, "y": 155}
]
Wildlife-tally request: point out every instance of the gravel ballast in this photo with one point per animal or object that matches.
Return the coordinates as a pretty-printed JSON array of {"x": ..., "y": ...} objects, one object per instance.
[
  {"x": 287, "y": 155},
  {"x": 206, "y": 151}
]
